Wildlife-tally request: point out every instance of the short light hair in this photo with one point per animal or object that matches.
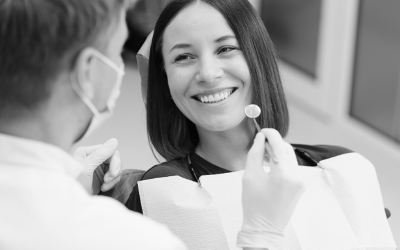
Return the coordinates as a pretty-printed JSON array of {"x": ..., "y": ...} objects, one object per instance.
[
  {"x": 40, "y": 38},
  {"x": 172, "y": 134}
]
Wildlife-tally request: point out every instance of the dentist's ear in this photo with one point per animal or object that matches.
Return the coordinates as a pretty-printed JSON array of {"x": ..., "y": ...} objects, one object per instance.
[{"x": 85, "y": 68}]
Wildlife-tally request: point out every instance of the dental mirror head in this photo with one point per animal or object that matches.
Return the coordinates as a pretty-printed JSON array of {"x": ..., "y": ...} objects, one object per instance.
[{"x": 252, "y": 111}]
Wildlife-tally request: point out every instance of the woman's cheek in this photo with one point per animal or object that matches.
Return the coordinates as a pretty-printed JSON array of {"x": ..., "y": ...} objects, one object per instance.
[{"x": 178, "y": 80}]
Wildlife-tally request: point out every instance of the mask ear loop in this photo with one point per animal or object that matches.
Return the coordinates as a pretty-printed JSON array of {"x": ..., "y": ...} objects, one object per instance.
[
  {"x": 119, "y": 69},
  {"x": 120, "y": 74},
  {"x": 142, "y": 59},
  {"x": 83, "y": 97}
]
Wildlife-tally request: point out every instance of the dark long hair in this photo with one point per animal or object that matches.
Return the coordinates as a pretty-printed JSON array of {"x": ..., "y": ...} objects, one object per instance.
[{"x": 173, "y": 135}]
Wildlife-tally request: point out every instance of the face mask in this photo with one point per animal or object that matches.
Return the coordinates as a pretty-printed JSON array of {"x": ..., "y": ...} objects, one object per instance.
[{"x": 99, "y": 117}]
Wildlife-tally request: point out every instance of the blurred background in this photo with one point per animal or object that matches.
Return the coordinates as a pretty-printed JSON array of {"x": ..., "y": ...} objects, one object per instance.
[{"x": 340, "y": 63}]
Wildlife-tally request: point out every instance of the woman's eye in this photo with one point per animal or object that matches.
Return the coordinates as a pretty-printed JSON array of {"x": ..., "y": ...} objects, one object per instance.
[
  {"x": 183, "y": 58},
  {"x": 226, "y": 49}
]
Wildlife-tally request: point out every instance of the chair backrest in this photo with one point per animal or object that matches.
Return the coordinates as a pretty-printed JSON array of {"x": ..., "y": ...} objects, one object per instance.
[{"x": 388, "y": 213}]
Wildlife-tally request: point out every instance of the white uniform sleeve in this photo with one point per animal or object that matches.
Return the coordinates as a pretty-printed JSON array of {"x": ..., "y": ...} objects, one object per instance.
[{"x": 106, "y": 224}]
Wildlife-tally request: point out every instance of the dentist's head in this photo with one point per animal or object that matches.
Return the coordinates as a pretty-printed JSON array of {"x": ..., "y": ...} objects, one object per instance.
[{"x": 61, "y": 66}]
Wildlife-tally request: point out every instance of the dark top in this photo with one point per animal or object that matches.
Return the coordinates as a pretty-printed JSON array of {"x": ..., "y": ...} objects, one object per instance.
[{"x": 180, "y": 167}]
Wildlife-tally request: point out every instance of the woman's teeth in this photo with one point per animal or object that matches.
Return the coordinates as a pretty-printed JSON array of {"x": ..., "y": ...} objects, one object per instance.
[{"x": 216, "y": 97}]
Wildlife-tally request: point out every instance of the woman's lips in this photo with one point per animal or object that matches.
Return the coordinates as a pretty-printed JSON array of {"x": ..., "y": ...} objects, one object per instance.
[{"x": 214, "y": 97}]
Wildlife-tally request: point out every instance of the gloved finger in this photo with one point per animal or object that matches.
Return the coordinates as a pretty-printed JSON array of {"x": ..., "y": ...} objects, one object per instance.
[
  {"x": 115, "y": 164},
  {"x": 82, "y": 152},
  {"x": 98, "y": 179},
  {"x": 108, "y": 177},
  {"x": 99, "y": 173},
  {"x": 254, "y": 163},
  {"x": 269, "y": 153},
  {"x": 103, "y": 152},
  {"x": 110, "y": 185},
  {"x": 290, "y": 150},
  {"x": 291, "y": 159},
  {"x": 277, "y": 143},
  {"x": 107, "y": 172}
]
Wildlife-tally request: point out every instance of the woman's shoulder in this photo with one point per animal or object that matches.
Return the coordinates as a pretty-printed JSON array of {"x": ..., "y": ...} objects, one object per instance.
[
  {"x": 320, "y": 152},
  {"x": 175, "y": 167}
]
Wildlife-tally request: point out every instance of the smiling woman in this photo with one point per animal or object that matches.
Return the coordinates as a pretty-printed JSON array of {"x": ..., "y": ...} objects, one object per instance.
[
  {"x": 209, "y": 59},
  {"x": 204, "y": 50}
]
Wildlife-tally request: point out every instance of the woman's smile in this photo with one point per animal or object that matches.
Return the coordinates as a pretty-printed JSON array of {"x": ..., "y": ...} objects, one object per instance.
[{"x": 214, "y": 96}]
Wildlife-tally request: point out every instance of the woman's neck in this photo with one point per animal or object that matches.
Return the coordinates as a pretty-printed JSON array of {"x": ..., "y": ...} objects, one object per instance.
[{"x": 226, "y": 149}]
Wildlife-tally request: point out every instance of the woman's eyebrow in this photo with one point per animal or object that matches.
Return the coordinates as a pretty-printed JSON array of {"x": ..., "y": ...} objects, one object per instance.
[
  {"x": 181, "y": 46},
  {"x": 223, "y": 38},
  {"x": 188, "y": 45}
]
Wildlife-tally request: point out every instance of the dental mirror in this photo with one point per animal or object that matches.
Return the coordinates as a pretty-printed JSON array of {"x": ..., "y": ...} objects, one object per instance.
[{"x": 253, "y": 111}]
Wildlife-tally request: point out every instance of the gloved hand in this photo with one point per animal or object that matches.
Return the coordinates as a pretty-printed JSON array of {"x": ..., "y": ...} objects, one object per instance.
[
  {"x": 97, "y": 160},
  {"x": 269, "y": 199}
]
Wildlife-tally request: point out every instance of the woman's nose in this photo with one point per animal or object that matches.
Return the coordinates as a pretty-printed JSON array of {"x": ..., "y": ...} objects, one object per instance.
[{"x": 209, "y": 71}]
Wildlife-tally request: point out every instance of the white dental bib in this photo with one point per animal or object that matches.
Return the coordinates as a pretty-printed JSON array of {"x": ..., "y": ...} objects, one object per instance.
[{"x": 342, "y": 208}]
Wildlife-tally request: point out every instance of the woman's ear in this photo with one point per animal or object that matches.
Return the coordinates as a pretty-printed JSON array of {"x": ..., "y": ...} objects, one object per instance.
[{"x": 84, "y": 68}]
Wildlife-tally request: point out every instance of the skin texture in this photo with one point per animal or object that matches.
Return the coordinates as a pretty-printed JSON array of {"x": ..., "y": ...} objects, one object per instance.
[{"x": 202, "y": 57}]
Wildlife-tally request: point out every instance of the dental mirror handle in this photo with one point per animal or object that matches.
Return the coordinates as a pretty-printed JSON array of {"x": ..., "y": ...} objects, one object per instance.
[
  {"x": 268, "y": 148},
  {"x": 257, "y": 126}
]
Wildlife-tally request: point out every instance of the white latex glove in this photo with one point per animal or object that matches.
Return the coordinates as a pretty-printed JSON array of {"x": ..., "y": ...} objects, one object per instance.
[
  {"x": 97, "y": 160},
  {"x": 269, "y": 199}
]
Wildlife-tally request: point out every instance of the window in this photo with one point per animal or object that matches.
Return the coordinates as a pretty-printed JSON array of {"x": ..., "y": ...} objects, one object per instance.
[
  {"x": 296, "y": 38},
  {"x": 376, "y": 85}
]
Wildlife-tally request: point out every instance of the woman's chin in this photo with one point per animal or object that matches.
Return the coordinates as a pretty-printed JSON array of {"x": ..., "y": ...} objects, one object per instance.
[{"x": 221, "y": 125}]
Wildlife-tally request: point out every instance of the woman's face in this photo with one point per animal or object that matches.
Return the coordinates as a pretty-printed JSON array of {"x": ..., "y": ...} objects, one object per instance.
[{"x": 207, "y": 73}]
